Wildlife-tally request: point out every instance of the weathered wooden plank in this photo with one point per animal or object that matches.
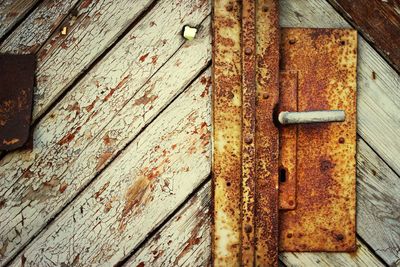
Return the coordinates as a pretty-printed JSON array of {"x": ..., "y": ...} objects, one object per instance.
[
  {"x": 12, "y": 11},
  {"x": 185, "y": 241},
  {"x": 123, "y": 204},
  {"x": 63, "y": 58},
  {"x": 28, "y": 37},
  {"x": 378, "y": 205},
  {"x": 378, "y": 99},
  {"x": 70, "y": 142},
  {"x": 379, "y": 23}
]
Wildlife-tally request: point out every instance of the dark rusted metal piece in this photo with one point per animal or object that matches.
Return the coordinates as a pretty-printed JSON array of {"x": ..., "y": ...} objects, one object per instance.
[
  {"x": 248, "y": 130},
  {"x": 287, "y": 142},
  {"x": 227, "y": 100},
  {"x": 324, "y": 218},
  {"x": 267, "y": 135},
  {"x": 17, "y": 74}
]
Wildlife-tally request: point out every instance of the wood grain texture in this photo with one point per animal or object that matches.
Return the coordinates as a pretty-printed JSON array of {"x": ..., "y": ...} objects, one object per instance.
[
  {"x": 379, "y": 23},
  {"x": 96, "y": 26},
  {"x": 12, "y": 11},
  {"x": 378, "y": 104},
  {"x": 124, "y": 203},
  {"x": 185, "y": 241},
  {"x": 72, "y": 144},
  {"x": 28, "y": 37},
  {"x": 378, "y": 205}
]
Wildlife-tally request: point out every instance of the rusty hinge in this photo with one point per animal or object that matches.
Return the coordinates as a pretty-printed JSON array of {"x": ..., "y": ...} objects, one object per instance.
[{"x": 284, "y": 119}]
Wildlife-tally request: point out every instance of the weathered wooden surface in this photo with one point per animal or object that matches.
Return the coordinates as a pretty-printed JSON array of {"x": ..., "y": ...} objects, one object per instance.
[
  {"x": 156, "y": 170},
  {"x": 76, "y": 142},
  {"x": 378, "y": 21},
  {"x": 12, "y": 11},
  {"x": 44, "y": 180},
  {"x": 28, "y": 37}
]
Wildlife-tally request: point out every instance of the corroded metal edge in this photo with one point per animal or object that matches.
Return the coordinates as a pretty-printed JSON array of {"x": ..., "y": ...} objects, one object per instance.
[
  {"x": 267, "y": 135},
  {"x": 226, "y": 166},
  {"x": 324, "y": 219},
  {"x": 16, "y": 99},
  {"x": 287, "y": 142}
]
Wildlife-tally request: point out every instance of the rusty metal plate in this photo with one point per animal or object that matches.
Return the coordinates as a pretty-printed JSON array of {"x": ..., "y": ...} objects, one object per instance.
[
  {"x": 324, "y": 218},
  {"x": 267, "y": 135},
  {"x": 287, "y": 142},
  {"x": 227, "y": 101},
  {"x": 16, "y": 92}
]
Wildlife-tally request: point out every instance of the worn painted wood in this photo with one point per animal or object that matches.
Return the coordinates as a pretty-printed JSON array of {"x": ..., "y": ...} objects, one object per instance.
[
  {"x": 184, "y": 241},
  {"x": 378, "y": 99},
  {"x": 28, "y": 37},
  {"x": 378, "y": 205},
  {"x": 13, "y": 11},
  {"x": 64, "y": 57},
  {"x": 153, "y": 175},
  {"x": 44, "y": 180},
  {"x": 378, "y": 21}
]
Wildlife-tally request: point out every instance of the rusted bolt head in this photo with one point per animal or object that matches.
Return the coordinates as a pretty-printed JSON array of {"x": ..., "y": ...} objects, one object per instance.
[
  {"x": 292, "y": 41},
  {"x": 341, "y": 140},
  {"x": 248, "y": 228},
  {"x": 248, "y": 139},
  {"x": 265, "y": 96},
  {"x": 265, "y": 8},
  {"x": 289, "y": 235},
  {"x": 229, "y": 7},
  {"x": 248, "y": 51}
]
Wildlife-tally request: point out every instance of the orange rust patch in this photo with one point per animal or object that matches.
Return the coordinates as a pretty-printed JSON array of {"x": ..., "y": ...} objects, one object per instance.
[
  {"x": 11, "y": 141},
  {"x": 85, "y": 3},
  {"x": 119, "y": 85},
  {"x": 63, "y": 187},
  {"x": 101, "y": 190},
  {"x": 137, "y": 193},
  {"x": 143, "y": 58},
  {"x": 102, "y": 159},
  {"x": 154, "y": 59},
  {"x": 144, "y": 100},
  {"x": 69, "y": 137}
]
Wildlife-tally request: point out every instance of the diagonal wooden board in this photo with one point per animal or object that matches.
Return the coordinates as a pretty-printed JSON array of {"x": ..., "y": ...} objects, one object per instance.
[
  {"x": 310, "y": 14},
  {"x": 49, "y": 192}
]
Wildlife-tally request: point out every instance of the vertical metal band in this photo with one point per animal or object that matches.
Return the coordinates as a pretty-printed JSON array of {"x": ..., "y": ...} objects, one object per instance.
[
  {"x": 248, "y": 130},
  {"x": 267, "y": 134},
  {"x": 227, "y": 101}
]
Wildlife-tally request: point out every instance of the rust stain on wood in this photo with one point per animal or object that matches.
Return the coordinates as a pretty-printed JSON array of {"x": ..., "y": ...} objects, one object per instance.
[{"x": 324, "y": 218}]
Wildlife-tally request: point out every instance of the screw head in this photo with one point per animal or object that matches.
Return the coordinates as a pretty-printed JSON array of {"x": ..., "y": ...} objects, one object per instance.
[
  {"x": 248, "y": 51},
  {"x": 248, "y": 139}
]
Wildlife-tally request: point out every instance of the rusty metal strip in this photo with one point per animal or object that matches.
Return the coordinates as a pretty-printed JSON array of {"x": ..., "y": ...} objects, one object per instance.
[
  {"x": 324, "y": 218},
  {"x": 248, "y": 44},
  {"x": 227, "y": 99},
  {"x": 17, "y": 76},
  {"x": 287, "y": 142},
  {"x": 267, "y": 135}
]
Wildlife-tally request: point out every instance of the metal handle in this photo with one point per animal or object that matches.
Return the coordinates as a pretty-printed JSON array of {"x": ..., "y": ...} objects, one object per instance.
[{"x": 286, "y": 117}]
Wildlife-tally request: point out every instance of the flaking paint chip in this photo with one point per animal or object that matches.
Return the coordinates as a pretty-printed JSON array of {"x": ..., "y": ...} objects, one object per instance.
[{"x": 189, "y": 33}]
